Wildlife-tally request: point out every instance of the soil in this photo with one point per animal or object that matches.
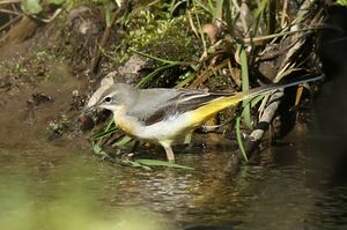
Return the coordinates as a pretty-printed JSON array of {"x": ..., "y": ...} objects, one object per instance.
[{"x": 43, "y": 83}]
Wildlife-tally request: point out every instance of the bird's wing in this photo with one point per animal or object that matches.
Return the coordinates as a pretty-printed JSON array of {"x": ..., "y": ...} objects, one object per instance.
[{"x": 155, "y": 105}]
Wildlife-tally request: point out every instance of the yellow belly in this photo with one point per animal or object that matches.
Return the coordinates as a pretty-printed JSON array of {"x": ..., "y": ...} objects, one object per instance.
[{"x": 125, "y": 125}]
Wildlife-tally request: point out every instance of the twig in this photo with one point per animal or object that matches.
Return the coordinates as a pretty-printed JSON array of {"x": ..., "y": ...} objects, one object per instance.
[
  {"x": 9, "y": 12},
  {"x": 48, "y": 20},
  {"x": 264, "y": 122},
  {"x": 192, "y": 26},
  {"x": 204, "y": 53},
  {"x": 271, "y": 36},
  {"x": 16, "y": 19},
  {"x": 298, "y": 38},
  {"x": 206, "y": 74},
  {"x": 284, "y": 13},
  {"x": 105, "y": 37},
  {"x": 236, "y": 79},
  {"x": 244, "y": 13},
  {"x": 9, "y": 2},
  {"x": 287, "y": 66}
]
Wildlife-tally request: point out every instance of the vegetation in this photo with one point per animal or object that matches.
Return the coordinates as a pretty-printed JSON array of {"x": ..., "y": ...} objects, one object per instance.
[
  {"x": 69, "y": 45},
  {"x": 342, "y": 2},
  {"x": 225, "y": 40},
  {"x": 221, "y": 45}
]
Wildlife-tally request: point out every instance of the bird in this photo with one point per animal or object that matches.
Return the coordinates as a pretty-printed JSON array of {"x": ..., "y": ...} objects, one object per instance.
[{"x": 165, "y": 115}]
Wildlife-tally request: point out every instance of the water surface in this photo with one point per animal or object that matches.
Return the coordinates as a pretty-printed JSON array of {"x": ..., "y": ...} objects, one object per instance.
[{"x": 291, "y": 186}]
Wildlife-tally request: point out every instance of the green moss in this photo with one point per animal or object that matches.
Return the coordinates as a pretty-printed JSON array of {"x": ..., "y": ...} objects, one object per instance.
[{"x": 163, "y": 36}]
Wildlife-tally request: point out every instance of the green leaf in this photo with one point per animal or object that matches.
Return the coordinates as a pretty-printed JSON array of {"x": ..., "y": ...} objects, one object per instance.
[
  {"x": 239, "y": 139},
  {"x": 119, "y": 2},
  {"x": 342, "y": 2},
  {"x": 123, "y": 141},
  {"x": 57, "y": 2},
  {"x": 31, "y": 6},
  {"x": 256, "y": 100},
  {"x": 99, "y": 151},
  {"x": 203, "y": 6},
  {"x": 151, "y": 75},
  {"x": 108, "y": 14},
  {"x": 164, "y": 61},
  {"x": 110, "y": 129},
  {"x": 149, "y": 162},
  {"x": 259, "y": 12},
  {"x": 219, "y": 9},
  {"x": 245, "y": 86},
  {"x": 135, "y": 164}
]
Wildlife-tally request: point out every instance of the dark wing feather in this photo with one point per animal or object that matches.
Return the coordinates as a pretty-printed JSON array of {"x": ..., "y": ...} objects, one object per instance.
[{"x": 184, "y": 101}]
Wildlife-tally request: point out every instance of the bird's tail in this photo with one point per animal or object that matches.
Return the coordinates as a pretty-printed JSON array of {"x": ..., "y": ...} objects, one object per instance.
[
  {"x": 206, "y": 111},
  {"x": 280, "y": 85}
]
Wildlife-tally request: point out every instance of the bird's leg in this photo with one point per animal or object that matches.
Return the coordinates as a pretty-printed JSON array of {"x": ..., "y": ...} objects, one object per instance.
[
  {"x": 134, "y": 147},
  {"x": 168, "y": 150},
  {"x": 170, "y": 154}
]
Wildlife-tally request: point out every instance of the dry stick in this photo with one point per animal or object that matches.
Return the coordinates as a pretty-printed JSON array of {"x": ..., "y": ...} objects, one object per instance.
[
  {"x": 270, "y": 110},
  {"x": 50, "y": 19},
  {"x": 206, "y": 74},
  {"x": 192, "y": 26},
  {"x": 14, "y": 8},
  {"x": 9, "y": 2},
  {"x": 97, "y": 57},
  {"x": 284, "y": 13},
  {"x": 236, "y": 77},
  {"x": 293, "y": 31},
  {"x": 16, "y": 19},
  {"x": 264, "y": 121},
  {"x": 9, "y": 12},
  {"x": 105, "y": 37},
  {"x": 244, "y": 13},
  {"x": 306, "y": 5}
]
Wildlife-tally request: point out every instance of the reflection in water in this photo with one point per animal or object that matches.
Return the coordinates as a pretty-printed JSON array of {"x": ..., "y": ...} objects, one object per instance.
[{"x": 288, "y": 186}]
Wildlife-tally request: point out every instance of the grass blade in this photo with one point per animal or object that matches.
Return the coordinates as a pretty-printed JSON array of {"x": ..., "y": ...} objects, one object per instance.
[
  {"x": 123, "y": 141},
  {"x": 149, "y": 162},
  {"x": 150, "y": 76},
  {"x": 203, "y": 6},
  {"x": 162, "y": 60},
  {"x": 239, "y": 139},
  {"x": 245, "y": 87}
]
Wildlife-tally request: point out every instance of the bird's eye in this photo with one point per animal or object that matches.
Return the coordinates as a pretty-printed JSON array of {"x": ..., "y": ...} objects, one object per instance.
[{"x": 107, "y": 99}]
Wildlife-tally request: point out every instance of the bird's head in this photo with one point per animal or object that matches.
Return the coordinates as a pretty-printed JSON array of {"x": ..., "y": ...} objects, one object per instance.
[{"x": 111, "y": 96}]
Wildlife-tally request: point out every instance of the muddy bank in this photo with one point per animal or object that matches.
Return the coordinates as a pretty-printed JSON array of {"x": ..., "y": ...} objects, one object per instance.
[
  {"x": 48, "y": 71},
  {"x": 43, "y": 81}
]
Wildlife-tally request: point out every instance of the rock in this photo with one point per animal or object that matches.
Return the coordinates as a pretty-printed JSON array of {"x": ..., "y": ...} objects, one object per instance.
[
  {"x": 134, "y": 69},
  {"x": 82, "y": 21}
]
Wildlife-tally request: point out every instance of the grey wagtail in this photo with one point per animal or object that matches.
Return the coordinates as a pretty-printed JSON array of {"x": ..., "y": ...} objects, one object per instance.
[{"x": 165, "y": 115}]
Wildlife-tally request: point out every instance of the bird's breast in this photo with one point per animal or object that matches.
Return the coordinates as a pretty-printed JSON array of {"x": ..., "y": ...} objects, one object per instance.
[
  {"x": 168, "y": 129},
  {"x": 128, "y": 124}
]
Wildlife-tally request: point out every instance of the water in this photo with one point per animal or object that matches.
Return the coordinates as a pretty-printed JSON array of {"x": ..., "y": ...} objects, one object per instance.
[
  {"x": 292, "y": 186},
  {"x": 60, "y": 185}
]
